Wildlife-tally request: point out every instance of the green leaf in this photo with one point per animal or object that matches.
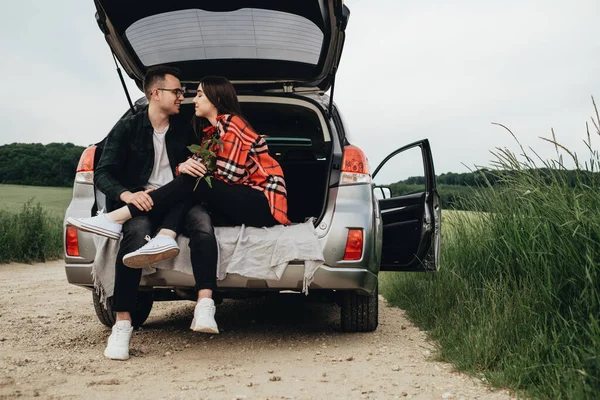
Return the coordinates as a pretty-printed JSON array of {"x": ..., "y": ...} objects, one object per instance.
[
  {"x": 207, "y": 156},
  {"x": 194, "y": 148}
]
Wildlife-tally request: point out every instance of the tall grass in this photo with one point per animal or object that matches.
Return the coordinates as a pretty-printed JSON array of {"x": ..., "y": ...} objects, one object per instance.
[
  {"x": 31, "y": 234},
  {"x": 518, "y": 297}
]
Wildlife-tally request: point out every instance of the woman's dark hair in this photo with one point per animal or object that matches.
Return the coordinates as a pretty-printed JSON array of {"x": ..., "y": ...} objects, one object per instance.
[{"x": 222, "y": 95}]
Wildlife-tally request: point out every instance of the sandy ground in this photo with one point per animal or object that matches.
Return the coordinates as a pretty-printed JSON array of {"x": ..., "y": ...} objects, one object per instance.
[{"x": 284, "y": 347}]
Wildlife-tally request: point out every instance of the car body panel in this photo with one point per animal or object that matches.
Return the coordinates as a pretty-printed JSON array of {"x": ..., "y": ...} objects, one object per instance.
[{"x": 330, "y": 278}]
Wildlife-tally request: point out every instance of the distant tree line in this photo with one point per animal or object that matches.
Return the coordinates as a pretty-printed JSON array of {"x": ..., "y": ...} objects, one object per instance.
[
  {"x": 55, "y": 164},
  {"x": 37, "y": 164},
  {"x": 455, "y": 188}
]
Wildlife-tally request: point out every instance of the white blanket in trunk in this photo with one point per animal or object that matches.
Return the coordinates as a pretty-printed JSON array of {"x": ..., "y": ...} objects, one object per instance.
[{"x": 259, "y": 253}]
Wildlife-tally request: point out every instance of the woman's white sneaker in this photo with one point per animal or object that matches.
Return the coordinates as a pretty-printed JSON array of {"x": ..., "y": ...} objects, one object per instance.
[
  {"x": 204, "y": 317},
  {"x": 118, "y": 341},
  {"x": 161, "y": 248},
  {"x": 100, "y": 225}
]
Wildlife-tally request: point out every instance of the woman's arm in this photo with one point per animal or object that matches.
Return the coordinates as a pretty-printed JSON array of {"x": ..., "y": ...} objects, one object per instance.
[{"x": 237, "y": 139}]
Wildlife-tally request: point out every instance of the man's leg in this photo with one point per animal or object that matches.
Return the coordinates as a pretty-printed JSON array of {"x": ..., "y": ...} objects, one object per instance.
[
  {"x": 204, "y": 253},
  {"x": 127, "y": 281}
]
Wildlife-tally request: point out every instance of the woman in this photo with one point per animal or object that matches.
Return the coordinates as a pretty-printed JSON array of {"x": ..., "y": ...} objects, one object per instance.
[{"x": 247, "y": 185}]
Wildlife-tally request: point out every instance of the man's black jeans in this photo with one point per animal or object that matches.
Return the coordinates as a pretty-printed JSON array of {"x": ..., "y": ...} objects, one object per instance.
[{"x": 203, "y": 248}]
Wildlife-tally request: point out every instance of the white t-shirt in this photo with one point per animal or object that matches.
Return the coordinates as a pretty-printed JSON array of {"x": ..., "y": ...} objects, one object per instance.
[{"x": 161, "y": 172}]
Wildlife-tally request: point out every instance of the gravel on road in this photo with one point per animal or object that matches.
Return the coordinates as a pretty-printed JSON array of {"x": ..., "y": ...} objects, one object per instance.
[{"x": 285, "y": 346}]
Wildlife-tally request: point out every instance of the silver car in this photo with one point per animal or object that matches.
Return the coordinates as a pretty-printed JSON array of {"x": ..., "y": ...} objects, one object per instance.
[{"x": 282, "y": 57}]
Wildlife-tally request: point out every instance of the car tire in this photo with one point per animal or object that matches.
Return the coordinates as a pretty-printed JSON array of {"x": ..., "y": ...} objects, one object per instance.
[
  {"x": 107, "y": 316},
  {"x": 360, "y": 313}
]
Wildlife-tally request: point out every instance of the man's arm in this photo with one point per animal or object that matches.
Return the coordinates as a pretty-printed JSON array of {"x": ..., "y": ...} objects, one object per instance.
[{"x": 112, "y": 161}]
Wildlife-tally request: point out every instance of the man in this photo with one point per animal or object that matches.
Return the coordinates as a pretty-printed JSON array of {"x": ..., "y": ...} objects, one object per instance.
[{"x": 141, "y": 153}]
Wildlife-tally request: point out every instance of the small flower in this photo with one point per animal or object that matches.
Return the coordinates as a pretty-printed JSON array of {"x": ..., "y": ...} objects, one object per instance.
[{"x": 205, "y": 153}]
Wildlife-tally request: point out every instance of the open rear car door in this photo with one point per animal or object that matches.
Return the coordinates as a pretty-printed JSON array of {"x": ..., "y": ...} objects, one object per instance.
[{"x": 411, "y": 221}]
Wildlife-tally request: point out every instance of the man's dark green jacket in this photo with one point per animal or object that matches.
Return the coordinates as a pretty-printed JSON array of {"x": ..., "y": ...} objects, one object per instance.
[{"x": 127, "y": 155}]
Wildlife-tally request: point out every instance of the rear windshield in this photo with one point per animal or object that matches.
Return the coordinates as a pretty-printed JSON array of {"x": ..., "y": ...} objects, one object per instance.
[{"x": 247, "y": 33}]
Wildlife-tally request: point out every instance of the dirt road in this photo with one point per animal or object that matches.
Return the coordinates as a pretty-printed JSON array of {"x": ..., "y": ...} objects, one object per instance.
[{"x": 285, "y": 347}]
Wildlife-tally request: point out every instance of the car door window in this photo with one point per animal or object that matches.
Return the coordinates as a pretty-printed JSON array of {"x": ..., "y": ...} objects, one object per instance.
[{"x": 402, "y": 174}]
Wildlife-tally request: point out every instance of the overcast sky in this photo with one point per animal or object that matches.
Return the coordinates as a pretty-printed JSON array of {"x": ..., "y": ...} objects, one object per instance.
[{"x": 410, "y": 70}]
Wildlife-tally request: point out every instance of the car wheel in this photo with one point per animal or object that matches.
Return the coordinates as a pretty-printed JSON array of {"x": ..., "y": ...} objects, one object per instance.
[
  {"x": 107, "y": 316},
  {"x": 360, "y": 313}
]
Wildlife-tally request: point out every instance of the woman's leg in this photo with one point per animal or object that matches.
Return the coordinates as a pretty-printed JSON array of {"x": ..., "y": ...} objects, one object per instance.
[
  {"x": 203, "y": 249},
  {"x": 164, "y": 198},
  {"x": 168, "y": 195},
  {"x": 163, "y": 246},
  {"x": 235, "y": 204},
  {"x": 204, "y": 253}
]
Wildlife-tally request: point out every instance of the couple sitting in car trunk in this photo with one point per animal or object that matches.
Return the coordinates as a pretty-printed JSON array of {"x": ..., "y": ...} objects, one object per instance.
[{"x": 153, "y": 186}]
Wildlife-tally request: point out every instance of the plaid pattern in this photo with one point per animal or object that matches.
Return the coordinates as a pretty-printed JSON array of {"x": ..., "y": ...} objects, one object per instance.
[{"x": 244, "y": 159}]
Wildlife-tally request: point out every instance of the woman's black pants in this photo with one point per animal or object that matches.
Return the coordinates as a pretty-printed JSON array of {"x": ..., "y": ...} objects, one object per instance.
[{"x": 229, "y": 205}]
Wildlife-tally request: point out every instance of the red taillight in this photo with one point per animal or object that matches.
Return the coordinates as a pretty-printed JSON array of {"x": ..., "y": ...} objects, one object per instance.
[
  {"x": 354, "y": 244},
  {"x": 72, "y": 241},
  {"x": 85, "y": 168},
  {"x": 86, "y": 161},
  {"x": 355, "y": 167},
  {"x": 354, "y": 161}
]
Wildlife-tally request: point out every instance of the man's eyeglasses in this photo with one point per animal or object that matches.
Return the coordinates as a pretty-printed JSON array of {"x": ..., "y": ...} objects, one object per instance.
[{"x": 176, "y": 92}]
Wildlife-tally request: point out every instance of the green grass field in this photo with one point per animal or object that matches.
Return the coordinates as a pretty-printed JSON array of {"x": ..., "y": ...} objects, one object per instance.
[
  {"x": 517, "y": 297},
  {"x": 31, "y": 222},
  {"x": 53, "y": 199}
]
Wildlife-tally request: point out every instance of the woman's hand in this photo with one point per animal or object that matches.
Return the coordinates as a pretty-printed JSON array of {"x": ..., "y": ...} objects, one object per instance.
[{"x": 192, "y": 167}]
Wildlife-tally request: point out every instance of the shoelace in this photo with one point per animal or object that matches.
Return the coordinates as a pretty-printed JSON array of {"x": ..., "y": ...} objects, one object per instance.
[
  {"x": 118, "y": 333},
  {"x": 148, "y": 239},
  {"x": 209, "y": 307}
]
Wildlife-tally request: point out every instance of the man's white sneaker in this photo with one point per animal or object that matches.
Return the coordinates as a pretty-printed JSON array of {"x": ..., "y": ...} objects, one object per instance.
[
  {"x": 118, "y": 341},
  {"x": 161, "y": 248},
  {"x": 204, "y": 317},
  {"x": 100, "y": 225}
]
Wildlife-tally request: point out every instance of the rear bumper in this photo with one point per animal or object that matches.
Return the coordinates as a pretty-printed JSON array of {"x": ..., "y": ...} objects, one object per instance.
[{"x": 329, "y": 278}]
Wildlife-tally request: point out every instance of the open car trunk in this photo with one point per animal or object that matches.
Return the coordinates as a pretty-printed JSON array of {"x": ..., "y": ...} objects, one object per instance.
[
  {"x": 297, "y": 138},
  {"x": 302, "y": 146},
  {"x": 251, "y": 42}
]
